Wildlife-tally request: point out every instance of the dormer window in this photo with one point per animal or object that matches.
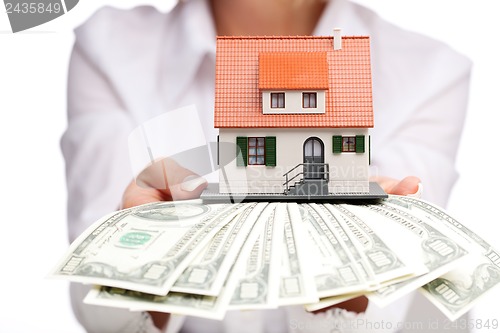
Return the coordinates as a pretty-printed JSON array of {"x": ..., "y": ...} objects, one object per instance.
[
  {"x": 278, "y": 100},
  {"x": 300, "y": 78},
  {"x": 309, "y": 100}
]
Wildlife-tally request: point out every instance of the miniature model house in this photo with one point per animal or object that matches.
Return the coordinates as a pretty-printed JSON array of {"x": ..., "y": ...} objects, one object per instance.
[{"x": 298, "y": 109}]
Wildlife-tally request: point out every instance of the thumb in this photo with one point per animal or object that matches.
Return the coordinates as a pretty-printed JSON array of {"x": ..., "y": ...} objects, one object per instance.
[
  {"x": 407, "y": 186},
  {"x": 172, "y": 179}
]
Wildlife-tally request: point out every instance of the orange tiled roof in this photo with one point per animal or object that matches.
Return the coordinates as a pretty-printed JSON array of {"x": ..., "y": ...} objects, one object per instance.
[
  {"x": 293, "y": 70},
  {"x": 238, "y": 101}
]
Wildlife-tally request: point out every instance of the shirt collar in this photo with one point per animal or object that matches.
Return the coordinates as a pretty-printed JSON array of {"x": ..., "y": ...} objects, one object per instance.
[{"x": 340, "y": 14}]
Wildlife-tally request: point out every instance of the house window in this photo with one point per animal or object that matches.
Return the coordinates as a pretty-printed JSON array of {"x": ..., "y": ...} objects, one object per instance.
[
  {"x": 256, "y": 151},
  {"x": 277, "y": 100},
  {"x": 348, "y": 144},
  {"x": 309, "y": 100}
]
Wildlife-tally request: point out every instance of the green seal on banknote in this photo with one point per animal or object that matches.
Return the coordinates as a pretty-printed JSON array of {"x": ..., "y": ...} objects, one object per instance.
[{"x": 134, "y": 239}]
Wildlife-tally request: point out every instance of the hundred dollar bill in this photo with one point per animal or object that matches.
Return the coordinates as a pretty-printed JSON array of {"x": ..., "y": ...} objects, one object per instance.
[
  {"x": 351, "y": 249},
  {"x": 334, "y": 271},
  {"x": 206, "y": 274},
  {"x": 457, "y": 291},
  {"x": 296, "y": 281},
  {"x": 211, "y": 307},
  {"x": 144, "y": 248},
  {"x": 259, "y": 283},
  {"x": 384, "y": 263},
  {"x": 437, "y": 249},
  {"x": 378, "y": 260}
]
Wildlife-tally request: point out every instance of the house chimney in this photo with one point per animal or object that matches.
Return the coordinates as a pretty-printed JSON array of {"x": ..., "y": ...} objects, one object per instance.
[{"x": 337, "y": 39}]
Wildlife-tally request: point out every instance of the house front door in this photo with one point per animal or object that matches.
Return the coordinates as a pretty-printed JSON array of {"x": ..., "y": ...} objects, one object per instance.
[{"x": 314, "y": 154}]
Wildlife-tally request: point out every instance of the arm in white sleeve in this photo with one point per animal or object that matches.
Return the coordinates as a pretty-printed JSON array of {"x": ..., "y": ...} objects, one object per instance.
[
  {"x": 94, "y": 145},
  {"x": 98, "y": 170},
  {"x": 425, "y": 142}
]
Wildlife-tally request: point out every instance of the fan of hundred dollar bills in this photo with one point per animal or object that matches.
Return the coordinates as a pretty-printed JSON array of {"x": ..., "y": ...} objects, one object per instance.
[{"x": 202, "y": 260}]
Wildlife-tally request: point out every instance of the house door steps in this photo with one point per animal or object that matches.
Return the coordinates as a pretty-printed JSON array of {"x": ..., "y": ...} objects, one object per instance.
[
  {"x": 312, "y": 179},
  {"x": 309, "y": 187}
]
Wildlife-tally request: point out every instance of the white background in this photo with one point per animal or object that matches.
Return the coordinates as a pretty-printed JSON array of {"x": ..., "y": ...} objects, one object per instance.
[{"x": 33, "y": 68}]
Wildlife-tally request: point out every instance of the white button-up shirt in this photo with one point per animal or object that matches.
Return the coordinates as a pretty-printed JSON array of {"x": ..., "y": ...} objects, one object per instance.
[{"x": 128, "y": 66}]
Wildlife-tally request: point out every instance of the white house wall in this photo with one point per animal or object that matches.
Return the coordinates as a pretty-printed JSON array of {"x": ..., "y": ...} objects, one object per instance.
[
  {"x": 349, "y": 172},
  {"x": 293, "y": 103}
]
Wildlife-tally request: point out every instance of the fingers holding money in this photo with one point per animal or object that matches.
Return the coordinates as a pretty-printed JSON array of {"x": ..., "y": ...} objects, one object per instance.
[{"x": 163, "y": 180}]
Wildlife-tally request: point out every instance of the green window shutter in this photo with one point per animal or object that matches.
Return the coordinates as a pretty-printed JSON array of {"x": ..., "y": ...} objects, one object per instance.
[
  {"x": 337, "y": 144},
  {"x": 360, "y": 143},
  {"x": 242, "y": 143},
  {"x": 270, "y": 151},
  {"x": 369, "y": 150}
]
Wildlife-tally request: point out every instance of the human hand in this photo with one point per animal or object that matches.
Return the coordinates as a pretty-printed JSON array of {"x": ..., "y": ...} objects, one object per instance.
[
  {"x": 163, "y": 180},
  {"x": 407, "y": 186}
]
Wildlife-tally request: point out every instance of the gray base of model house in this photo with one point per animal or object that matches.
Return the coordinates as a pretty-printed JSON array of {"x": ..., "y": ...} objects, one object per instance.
[{"x": 301, "y": 193}]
